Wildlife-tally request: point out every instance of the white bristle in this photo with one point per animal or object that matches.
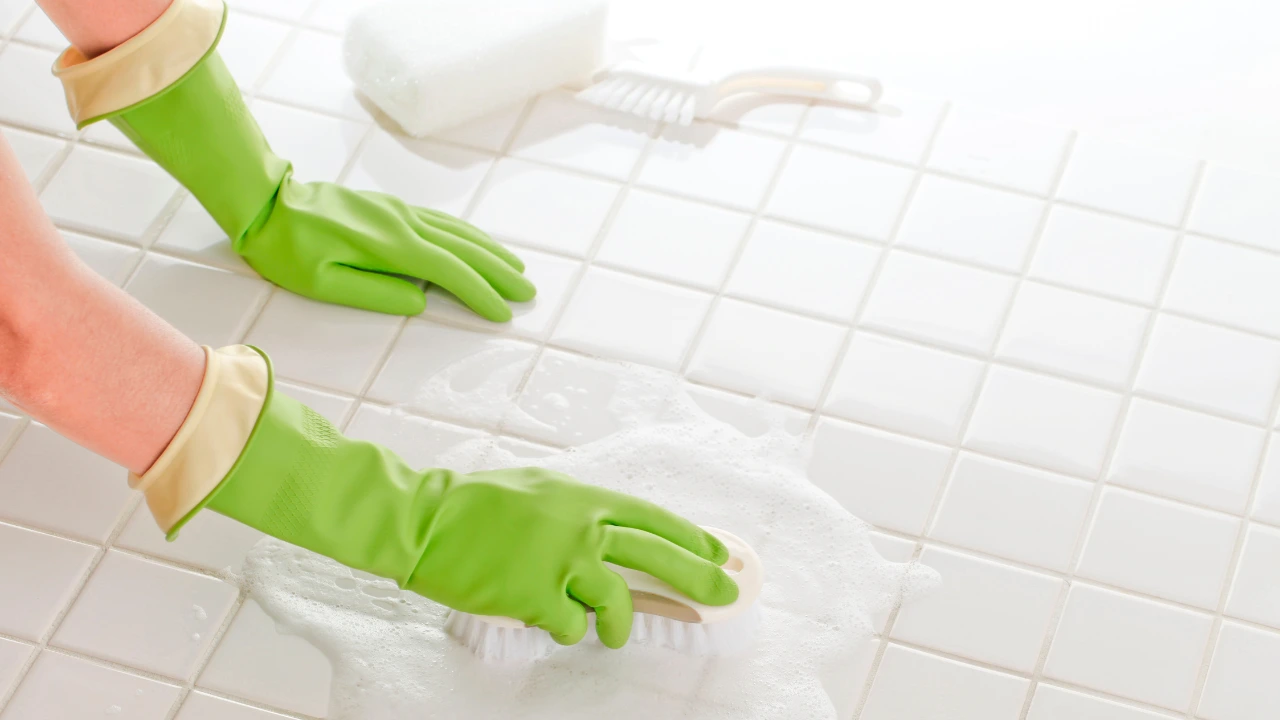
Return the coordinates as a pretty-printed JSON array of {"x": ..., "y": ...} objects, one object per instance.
[
  {"x": 686, "y": 111},
  {"x": 659, "y": 104},
  {"x": 646, "y": 101},
  {"x": 633, "y": 97},
  {"x": 495, "y": 644},
  {"x": 618, "y": 94},
  {"x": 672, "y": 111}
]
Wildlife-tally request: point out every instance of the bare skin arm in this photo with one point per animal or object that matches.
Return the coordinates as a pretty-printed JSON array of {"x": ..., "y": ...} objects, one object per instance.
[{"x": 96, "y": 26}]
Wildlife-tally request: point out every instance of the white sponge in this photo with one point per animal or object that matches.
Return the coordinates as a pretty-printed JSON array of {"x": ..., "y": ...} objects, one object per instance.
[{"x": 434, "y": 64}]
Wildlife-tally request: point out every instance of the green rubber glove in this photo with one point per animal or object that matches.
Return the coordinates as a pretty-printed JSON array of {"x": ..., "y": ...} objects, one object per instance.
[
  {"x": 320, "y": 240},
  {"x": 528, "y": 544}
]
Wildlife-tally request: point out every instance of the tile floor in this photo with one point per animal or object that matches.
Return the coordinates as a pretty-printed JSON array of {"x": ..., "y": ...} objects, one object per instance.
[{"x": 1045, "y": 364}]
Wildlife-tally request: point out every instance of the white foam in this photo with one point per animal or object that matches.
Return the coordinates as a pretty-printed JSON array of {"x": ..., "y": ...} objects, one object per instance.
[{"x": 824, "y": 581}]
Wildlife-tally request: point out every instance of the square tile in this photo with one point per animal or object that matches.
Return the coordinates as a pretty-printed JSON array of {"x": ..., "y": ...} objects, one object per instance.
[
  {"x": 109, "y": 136},
  {"x": 1186, "y": 455},
  {"x": 1079, "y": 335},
  {"x": 43, "y": 469},
  {"x": 24, "y": 73},
  {"x": 193, "y": 234},
  {"x": 35, "y": 152},
  {"x": 1013, "y": 511},
  {"x": 248, "y": 44},
  {"x": 545, "y": 208},
  {"x": 317, "y": 145},
  {"x": 335, "y": 15},
  {"x": 1129, "y": 180},
  {"x": 899, "y": 129},
  {"x": 60, "y": 686},
  {"x": 766, "y": 352},
  {"x": 751, "y": 416},
  {"x": 290, "y": 10},
  {"x": 1255, "y": 591},
  {"x": 311, "y": 74},
  {"x": 113, "y": 261},
  {"x": 164, "y": 630},
  {"x": 551, "y": 274},
  {"x": 888, "y": 480},
  {"x": 1044, "y": 421},
  {"x": 416, "y": 440},
  {"x": 1241, "y": 683},
  {"x": 40, "y": 30},
  {"x": 1118, "y": 258},
  {"x": 724, "y": 166},
  {"x": 48, "y": 570},
  {"x": 1238, "y": 205},
  {"x": 13, "y": 656},
  {"x": 11, "y": 12},
  {"x": 420, "y": 172},
  {"x": 211, "y": 306},
  {"x": 106, "y": 192},
  {"x": 1160, "y": 548},
  {"x": 568, "y": 399},
  {"x": 905, "y": 387},
  {"x": 841, "y": 192},
  {"x": 984, "y": 610},
  {"x": 1054, "y": 703},
  {"x": 1266, "y": 506},
  {"x": 331, "y": 406},
  {"x": 1226, "y": 283},
  {"x": 1128, "y": 646},
  {"x": 972, "y": 223},
  {"x": 562, "y": 130},
  {"x": 328, "y": 345},
  {"x": 200, "y": 706},
  {"x": 1000, "y": 149},
  {"x": 209, "y": 541},
  {"x": 802, "y": 270},
  {"x": 939, "y": 301},
  {"x": 255, "y": 661},
  {"x": 670, "y": 238},
  {"x": 630, "y": 318},
  {"x": 956, "y": 691},
  {"x": 1212, "y": 368}
]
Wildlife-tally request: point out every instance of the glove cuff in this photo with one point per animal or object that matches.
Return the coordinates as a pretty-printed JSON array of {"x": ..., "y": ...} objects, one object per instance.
[
  {"x": 237, "y": 381},
  {"x": 143, "y": 66}
]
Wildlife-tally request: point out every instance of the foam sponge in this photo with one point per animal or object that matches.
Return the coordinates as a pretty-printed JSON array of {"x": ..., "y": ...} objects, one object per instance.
[{"x": 435, "y": 64}]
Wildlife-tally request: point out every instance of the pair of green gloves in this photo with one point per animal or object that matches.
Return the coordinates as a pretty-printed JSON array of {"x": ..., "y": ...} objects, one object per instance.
[{"x": 527, "y": 544}]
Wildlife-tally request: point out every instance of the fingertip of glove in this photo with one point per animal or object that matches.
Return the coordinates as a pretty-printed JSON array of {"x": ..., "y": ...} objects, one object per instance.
[{"x": 714, "y": 550}]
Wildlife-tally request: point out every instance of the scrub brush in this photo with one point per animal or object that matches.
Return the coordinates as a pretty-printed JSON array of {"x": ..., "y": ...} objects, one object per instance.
[
  {"x": 664, "y": 616},
  {"x": 670, "y": 97}
]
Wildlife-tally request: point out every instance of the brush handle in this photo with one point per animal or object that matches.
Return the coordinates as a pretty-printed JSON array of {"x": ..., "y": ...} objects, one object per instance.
[{"x": 804, "y": 82}]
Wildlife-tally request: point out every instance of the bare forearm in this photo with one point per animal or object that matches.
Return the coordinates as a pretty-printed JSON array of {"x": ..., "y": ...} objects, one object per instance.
[
  {"x": 96, "y": 26},
  {"x": 78, "y": 353}
]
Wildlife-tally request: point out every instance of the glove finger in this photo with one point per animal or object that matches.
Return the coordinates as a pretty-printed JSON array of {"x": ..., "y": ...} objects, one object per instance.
[
  {"x": 447, "y": 270},
  {"x": 372, "y": 291},
  {"x": 633, "y": 512},
  {"x": 700, "y": 579},
  {"x": 467, "y": 231},
  {"x": 567, "y": 623},
  {"x": 508, "y": 281},
  {"x": 606, "y": 591}
]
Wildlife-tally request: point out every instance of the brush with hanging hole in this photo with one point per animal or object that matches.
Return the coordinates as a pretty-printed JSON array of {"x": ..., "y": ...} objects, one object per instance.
[
  {"x": 679, "y": 98},
  {"x": 664, "y": 616}
]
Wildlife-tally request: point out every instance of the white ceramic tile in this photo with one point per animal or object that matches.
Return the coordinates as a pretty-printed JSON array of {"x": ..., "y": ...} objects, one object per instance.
[
  {"x": 210, "y": 541},
  {"x": 335, "y": 15},
  {"x": 753, "y": 417},
  {"x": 13, "y": 655},
  {"x": 61, "y": 686},
  {"x": 671, "y": 238},
  {"x": 766, "y": 352},
  {"x": 630, "y": 318},
  {"x": 489, "y": 132},
  {"x": 1238, "y": 205},
  {"x": 1211, "y": 367},
  {"x": 41, "y": 572},
  {"x": 257, "y": 662},
  {"x": 11, "y": 11},
  {"x": 24, "y": 73},
  {"x": 1044, "y": 421},
  {"x": 107, "y": 135},
  {"x": 43, "y": 469},
  {"x": 111, "y": 260},
  {"x": 1226, "y": 283},
  {"x": 798, "y": 269},
  {"x": 999, "y": 149},
  {"x": 420, "y": 172},
  {"x": 561, "y": 130},
  {"x": 289, "y": 10},
  {"x": 1054, "y": 703},
  {"x": 1079, "y": 335},
  {"x": 888, "y": 480},
  {"x": 551, "y": 274},
  {"x": 1241, "y": 683},
  {"x": 1013, "y": 511},
  {"x": 939, "y": 301},
  {"x": 726, "y": 166},
  {"x": 1128, "y": 646},
  {"x": 418, "y": 441},
  {"x": 1187, "y": 455},
  {"x": 327, "y": 345},
  {"x": 1115, "y": 257},
  {"x": 568, "y": 398},
  {"x": 211, "y": 306},
  {"x": 1128, "y": 180},
  {"x": 40, "y": 30},
  {"x": 35, "y": 152},
  {"x": 332, "y": 406},
  {"x": 201, "y": 706},
  {"x": 317, "y": 145},
  {"x": 984, "y": 611},
  {"x": 1266, "y": 506},
  {"x": 248, "y": 44},
  {"x": 955, "y": 691},
  {"x": 899, "y": 130},
  {"x": 906, "y": 387},
  {"x": 1160, "y": 548},
  {"x": 106, "y": 192},
  {"x": 192, "y": 233},
  {"x": 841, "y": 192},
  {"x": 164, "y": 629},
  {"x": 970, "y": 222},
  {"x": 8, "y": 423},
  {"x": 1255, "y": 591},
  {"x": 543, "y": 207},
  {"x": 310, "y": 73}
]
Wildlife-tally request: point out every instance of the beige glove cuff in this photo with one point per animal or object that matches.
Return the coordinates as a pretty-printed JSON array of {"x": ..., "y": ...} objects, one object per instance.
[
  {"x": 142, "y": 66},
  {"x": 236, "y": 382}
]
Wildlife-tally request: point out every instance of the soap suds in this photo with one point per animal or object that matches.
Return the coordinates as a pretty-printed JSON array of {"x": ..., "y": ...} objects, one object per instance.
[{"x": 823, "y": 583}]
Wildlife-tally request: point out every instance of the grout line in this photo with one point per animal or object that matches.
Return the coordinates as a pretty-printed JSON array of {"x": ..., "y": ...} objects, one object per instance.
[{"x": 207, "y": 655}]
